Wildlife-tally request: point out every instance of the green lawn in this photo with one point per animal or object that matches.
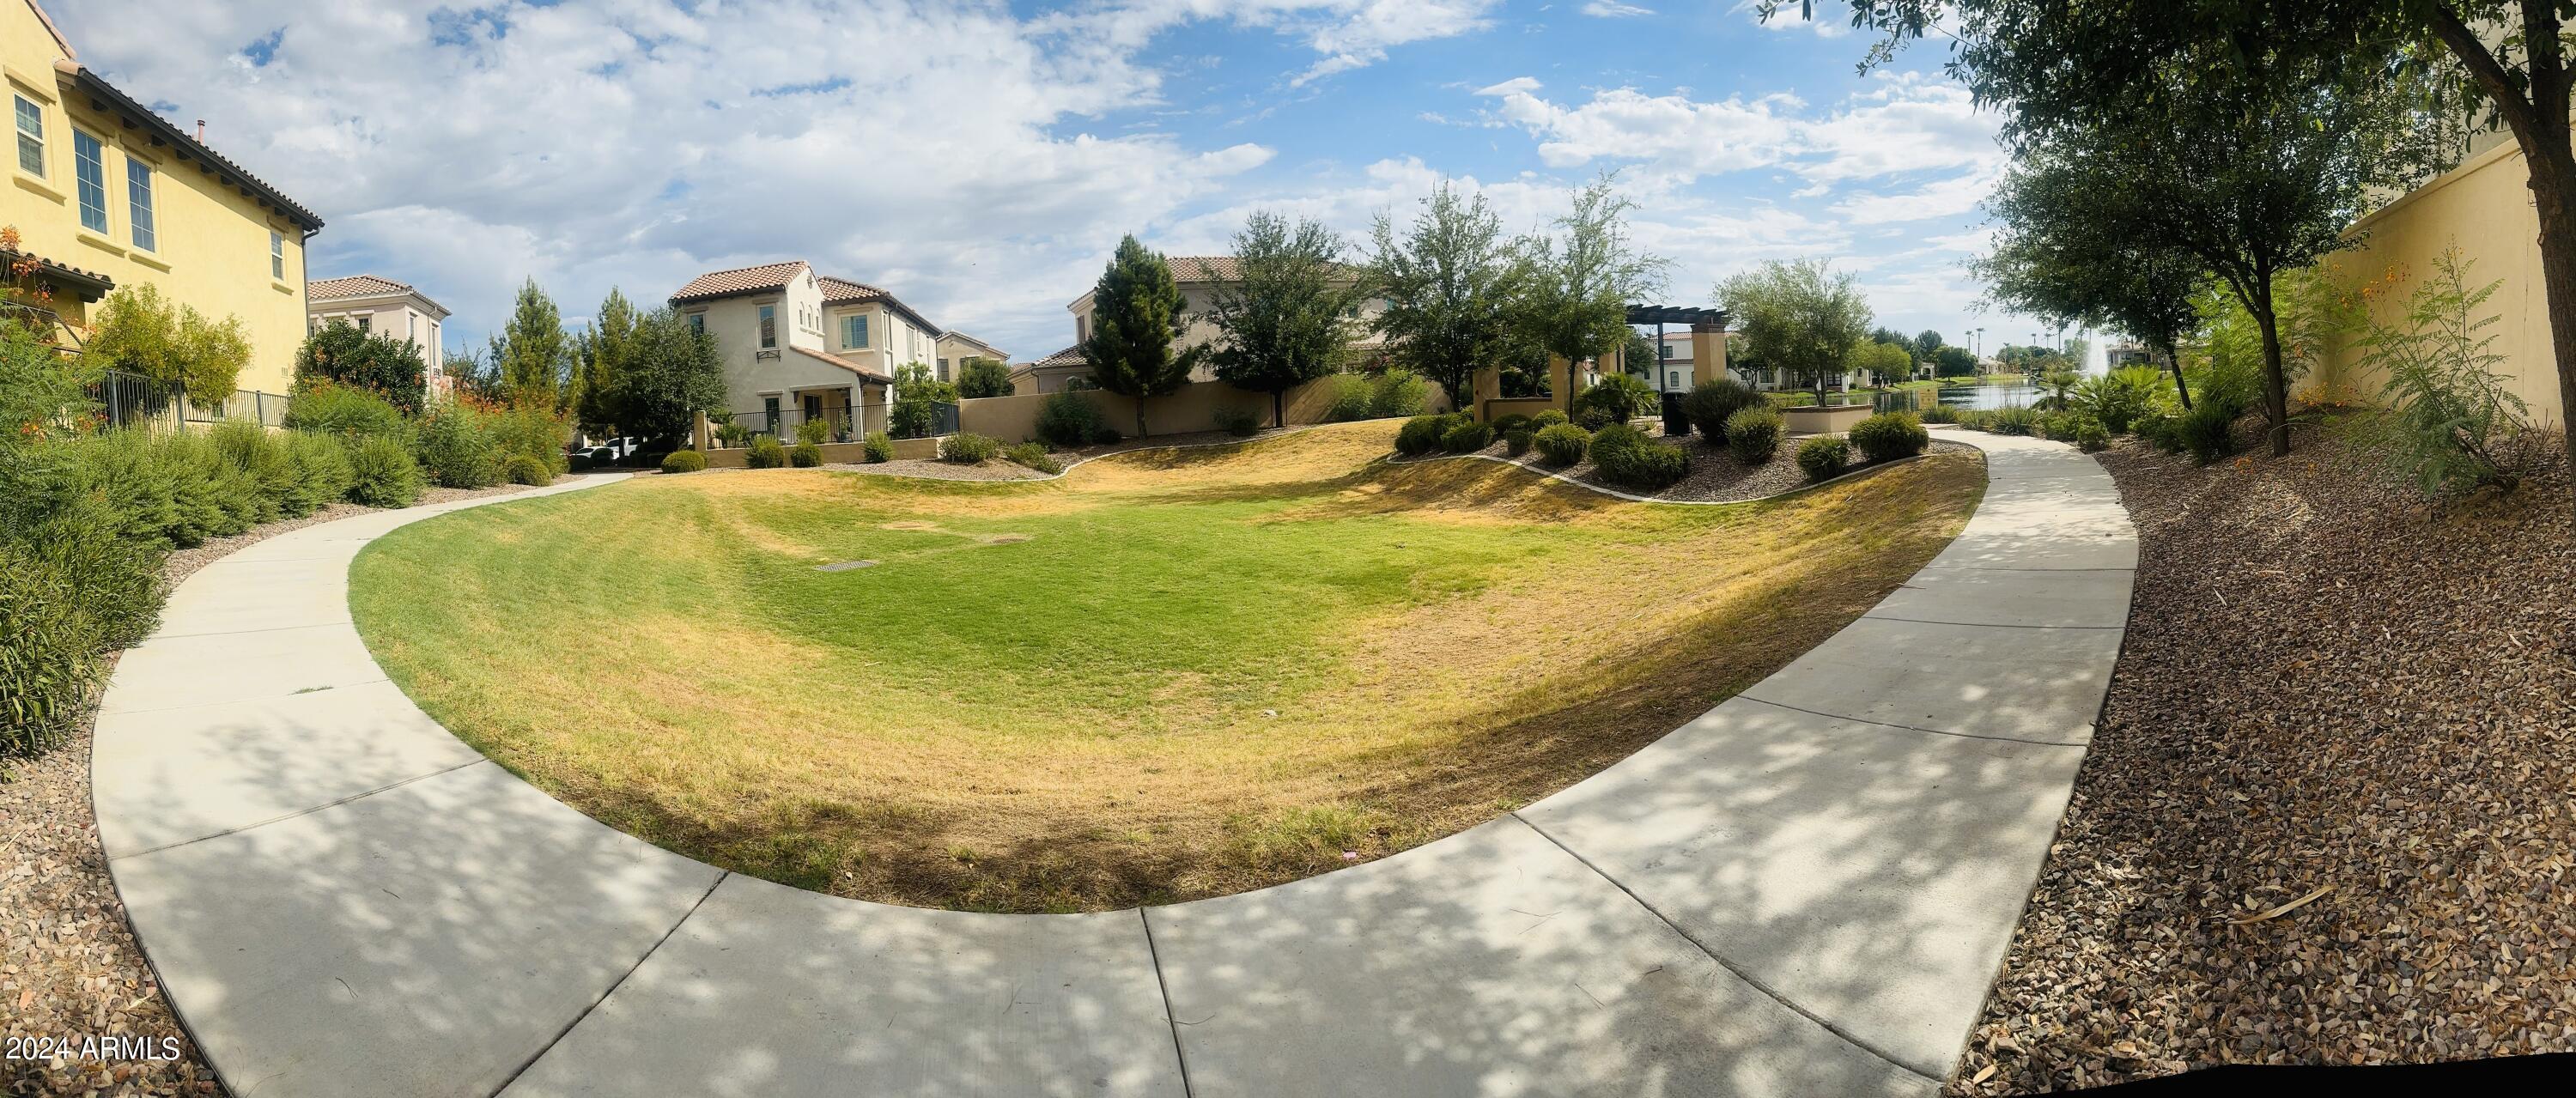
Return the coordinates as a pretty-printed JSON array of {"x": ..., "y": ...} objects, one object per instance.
[{"x": 1170, "y": 674}]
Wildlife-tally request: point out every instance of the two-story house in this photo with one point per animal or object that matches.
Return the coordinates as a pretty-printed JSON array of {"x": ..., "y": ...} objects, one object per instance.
[
  {"x": 382, "y": 306},
  {"x": 956, "y": 347},
  {"x": 105, "y": 193},
  {"x": 798, "y": 346},
  {"x": 1200, "y": 277}
]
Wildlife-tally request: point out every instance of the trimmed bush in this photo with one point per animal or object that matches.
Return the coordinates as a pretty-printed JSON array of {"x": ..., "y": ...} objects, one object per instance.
[
  {"x": 764, "y": 453},
  {"x": 346, "y": 411},
  {"x": 812, "y": 432},
  {"x": 1626, "y": 457},
  {"x": 1238, "y": 422},
  {"x": 322, "y": 473},
  {"x": 1420, "y": 435},
  {"x": 2163, "y": 430},
  {"x": 1107, "y": 435},
  {"x": 1466, "y": 438},
  {"x": 805, "y": 455},
  {"x": 1753, "y": 434},
  {"x": 969, "y": 448},
  {"x": 382, "y": 473},
  {"x": 877, "y": 449},
  {"x": 457, "y": 447},
  {"x": 1067, "y": 420},
  {"x": 1504, "y": 425},
  {"x": 1888, "y": 436},
  {"x": 1034, "y": 456},
  {"x": 685, "y": 461},
  {"x": 1711, "y": 402},
  {"x": 1517, "y": 441},
  {"x": 1937, "y": 412},
  {"x": 261, "y": 457},
  {"x": 2090, "y": 435},
  {"x": 1824, "y": 457},
  {"x": 2208, "y": 431},
  {"x": 1562, "y": 444},
  {"x": 1547, "y": 418},
  {"x": 48, "y": 652},
  {"x": 1594, "y": 419},
  {"x": 2010, "y": 421},
  {"x": 1398, "y": 393},
  {"x": 527, "y": 469}
]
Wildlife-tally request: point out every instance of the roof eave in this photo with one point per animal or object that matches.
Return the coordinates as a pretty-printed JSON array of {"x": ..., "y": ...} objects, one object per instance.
[{"x": 189, "y": 148}]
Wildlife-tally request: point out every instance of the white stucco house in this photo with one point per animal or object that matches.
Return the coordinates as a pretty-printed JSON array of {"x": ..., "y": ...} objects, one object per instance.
[
  {"x": 800, "y": 346},
  {"x": 382, "y": 306}
]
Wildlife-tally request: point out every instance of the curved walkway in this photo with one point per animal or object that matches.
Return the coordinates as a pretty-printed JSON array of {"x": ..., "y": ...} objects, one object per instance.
[{"x": 1805, "y": 891}]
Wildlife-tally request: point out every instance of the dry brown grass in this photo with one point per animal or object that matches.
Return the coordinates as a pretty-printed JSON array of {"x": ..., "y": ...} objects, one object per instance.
[{"x": 1556, "y": 632}]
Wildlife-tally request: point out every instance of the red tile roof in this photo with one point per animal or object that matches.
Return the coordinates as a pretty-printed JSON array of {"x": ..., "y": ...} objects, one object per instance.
[
  {"x": 1070, "y": 356},
  {"x": 961, "y": 336},
  {"x": 331, "y": 289},
  {"x": 843, "y": 363},
  {"x": 740, "y": 280}
]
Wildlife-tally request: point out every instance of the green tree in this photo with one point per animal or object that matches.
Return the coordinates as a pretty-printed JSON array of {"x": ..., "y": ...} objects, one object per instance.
[
  {"x": 531, "y": 352},
  {"x": 666, "y": 373},
  {"x": 1287, "y": 320},
  {"x": 1135, "y": 320},
  {"x": 339, "y": 353},
  {"x": 1578, "y": 284},
  {"x": 602, "y": 353},
  {"x": 1798, "y": 316},
  {"x": 138, "y": 331},
  {"x": 979, "y": 376},
  {"x": 1927, "y": 344},
  {"x": 916, "y": 394},
  {"x": 1451, "y": 281},
  {"x": 2065, "y": 252},
  {"x": 1954, "y": 362},
  {"x": 1883, "y": 362}
]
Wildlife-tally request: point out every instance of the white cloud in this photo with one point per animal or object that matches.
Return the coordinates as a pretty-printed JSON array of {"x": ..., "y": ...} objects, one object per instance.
[
  {"x": 1612, "y": 9},
  {"x": 1943, "y": 198}
]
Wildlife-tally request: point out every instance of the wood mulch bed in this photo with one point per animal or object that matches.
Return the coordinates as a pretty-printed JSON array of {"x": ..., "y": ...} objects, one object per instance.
[
  {"x": 69, "y": 966},
  {"x": 2331, "y": 691}
]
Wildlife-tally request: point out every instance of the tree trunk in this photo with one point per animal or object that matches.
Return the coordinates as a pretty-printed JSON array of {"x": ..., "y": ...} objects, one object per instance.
[
  {"x": 1279, "y": 407},
  {"x": 2173, "y": 358},
  {"x": 2276, "y": 386},
  {"x": 2553, "y": 188},
  {"x": 1140, "y": 413}
]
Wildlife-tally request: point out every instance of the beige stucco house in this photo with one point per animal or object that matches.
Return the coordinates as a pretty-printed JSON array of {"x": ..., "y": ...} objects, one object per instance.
[
  {"x": 382, "y": 306},
  {"x": 105, "y": 193},
  {"x": 800, "y": 346},
  {"x": 1200, "y": 278},
  {"x": 956, "y": 347}
]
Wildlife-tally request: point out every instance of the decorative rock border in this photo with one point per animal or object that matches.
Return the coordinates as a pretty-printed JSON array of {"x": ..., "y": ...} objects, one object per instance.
[{"x": 1805, "y": 891}]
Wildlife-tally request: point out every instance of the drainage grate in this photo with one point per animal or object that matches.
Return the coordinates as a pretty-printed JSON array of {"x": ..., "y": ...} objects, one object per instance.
[{"x": 845, "y": 566}]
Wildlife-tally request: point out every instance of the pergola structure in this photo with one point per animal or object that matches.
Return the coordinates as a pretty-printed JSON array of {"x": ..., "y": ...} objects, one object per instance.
[{"x": 1708, "y": 335}]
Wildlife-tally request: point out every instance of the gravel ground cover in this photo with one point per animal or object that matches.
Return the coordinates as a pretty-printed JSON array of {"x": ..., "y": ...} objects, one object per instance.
[
  {"x": 1715, "y": 476},
  {"x": 69, "y": 966},
  {"x": 2334, "y": 693}
]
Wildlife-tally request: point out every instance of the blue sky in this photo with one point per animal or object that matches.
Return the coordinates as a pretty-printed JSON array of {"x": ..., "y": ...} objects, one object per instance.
[{"x": 979, "y": 159}]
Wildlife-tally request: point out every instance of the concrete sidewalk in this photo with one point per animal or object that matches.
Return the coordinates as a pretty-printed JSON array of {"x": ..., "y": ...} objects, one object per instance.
[{"x": 1807, "y": 890}]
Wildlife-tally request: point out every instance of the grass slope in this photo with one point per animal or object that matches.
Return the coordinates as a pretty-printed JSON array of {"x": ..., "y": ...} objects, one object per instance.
[{"x": 1171, "y": 674}]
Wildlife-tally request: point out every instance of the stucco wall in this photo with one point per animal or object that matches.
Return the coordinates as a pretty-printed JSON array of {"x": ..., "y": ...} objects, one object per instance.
[
  {"x": 2483, "y": 208},
  {"x": 211, "y": 242}
]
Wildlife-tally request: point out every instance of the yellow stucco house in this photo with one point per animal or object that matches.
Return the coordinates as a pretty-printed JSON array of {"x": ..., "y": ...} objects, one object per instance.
[{"x": 105, "y": 193}]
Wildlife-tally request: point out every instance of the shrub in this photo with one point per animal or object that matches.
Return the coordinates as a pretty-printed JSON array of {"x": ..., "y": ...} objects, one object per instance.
[
  {"x": 1067, "y": 420},
  {"x": 805, "y": 455},
  {"x": 764, "y": 453},
  {"x": 979, "y": 376},
  {"x": 1711, "y": 402},
  {"x": 322, "y": 472},
  {"x": 1824, "y": 457},
  {"x": 382, "y": 473},
  {"x": 1937, "y": 412},
  {"x": 2010, "y": 421},
  {"x": 1238, "y": 422},
  {"x": 1107, "y": 435},
  {"x": 1517, "y": 440},
  {"x": 2120, "y": 398},
  {"x": 1562, "y": 443},
  {"x": 1350, "y": 399},
  {"x": 1594, "y": 419},
  {"x": 2090, "y": 435},
  {"x": 2208, "y": 431},
  {"x": 685, "y": 461},
  {"x": 527, "y": 469},
  {"x": 1621, "y": 397},
  {"x": 1753, "y": 434},
  {"x": 532, "y": 430},
  {"x": 916, "y": 395},
  {"x": 1398, "y": 393},
  {"x": 1034, "y": 456},
  {"x": 1888, "y": 436},
  {"x": 812, "y": 432},
  {"x": 1420, "y": 435},
  {"x": 2452, "y": 414},
  {"x": 1628, "y": 458},
  {"x": 346, "y": 411},
  {"x": 1467, "y": 438},
  {"x": 731, "y": 435},
  {"x": 969, "y": 448},
  {"x": 877, "y": 449},
  {"x": 457, "y": 447},
  {"x": 1504, "y": 425},
  {"x": 1548, "y": 418},
  {"x": 2161, "y": 429},
  {"x": 1799, "y": 398},
  {"x": 48, "y": 654},
  {"x": 262, "y": 458}
]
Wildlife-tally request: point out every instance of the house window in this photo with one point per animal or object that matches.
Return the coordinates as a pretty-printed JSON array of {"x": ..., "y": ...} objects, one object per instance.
[
  {"x": 411, "y": 325},
  {"x": 854, "y": 330},
  {"x": 769, "y": 408},
  {"x": 277, "y": 256},
  {"x": 698, "y": 323},
  {"x": 943, "y": 369},
  {"x": 768, "y": 326},
  {"x": 365, "y": 323},
  {"x": 89, "y": 166},
  {"x": 31, "y": 137},
  {"x": 138, "y": 192}
]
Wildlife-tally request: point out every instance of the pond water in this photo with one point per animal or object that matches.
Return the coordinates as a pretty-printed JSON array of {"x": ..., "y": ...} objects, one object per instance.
[{"x": 2018, "y": 394}]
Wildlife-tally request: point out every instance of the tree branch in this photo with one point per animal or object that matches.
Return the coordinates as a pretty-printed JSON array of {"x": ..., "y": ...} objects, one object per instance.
[{"x": 2520, "y": 114}]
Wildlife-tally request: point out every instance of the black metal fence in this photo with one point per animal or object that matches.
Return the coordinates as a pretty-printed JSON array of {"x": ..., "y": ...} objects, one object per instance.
[
  {"x": 128, "y": 400},
  {"x": 839, "y": 425}
]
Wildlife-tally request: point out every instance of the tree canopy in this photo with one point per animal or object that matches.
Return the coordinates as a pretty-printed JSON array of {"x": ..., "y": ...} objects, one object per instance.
[
  {"x": 138, "y": 331},
  {"x": 1286, "y": 320},
  {"x": 1578, "y": 283},
  {"x": 1135, "y": 319},
  {"x": 979, "y": 376},
  {"x": 531, "y": 353},
  {"x": 1452, "y": 282},
  {"x": 1798, "y": 315},
  {"x": 2069, "y": 250},
  {"x": 339, "y": 352}
]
